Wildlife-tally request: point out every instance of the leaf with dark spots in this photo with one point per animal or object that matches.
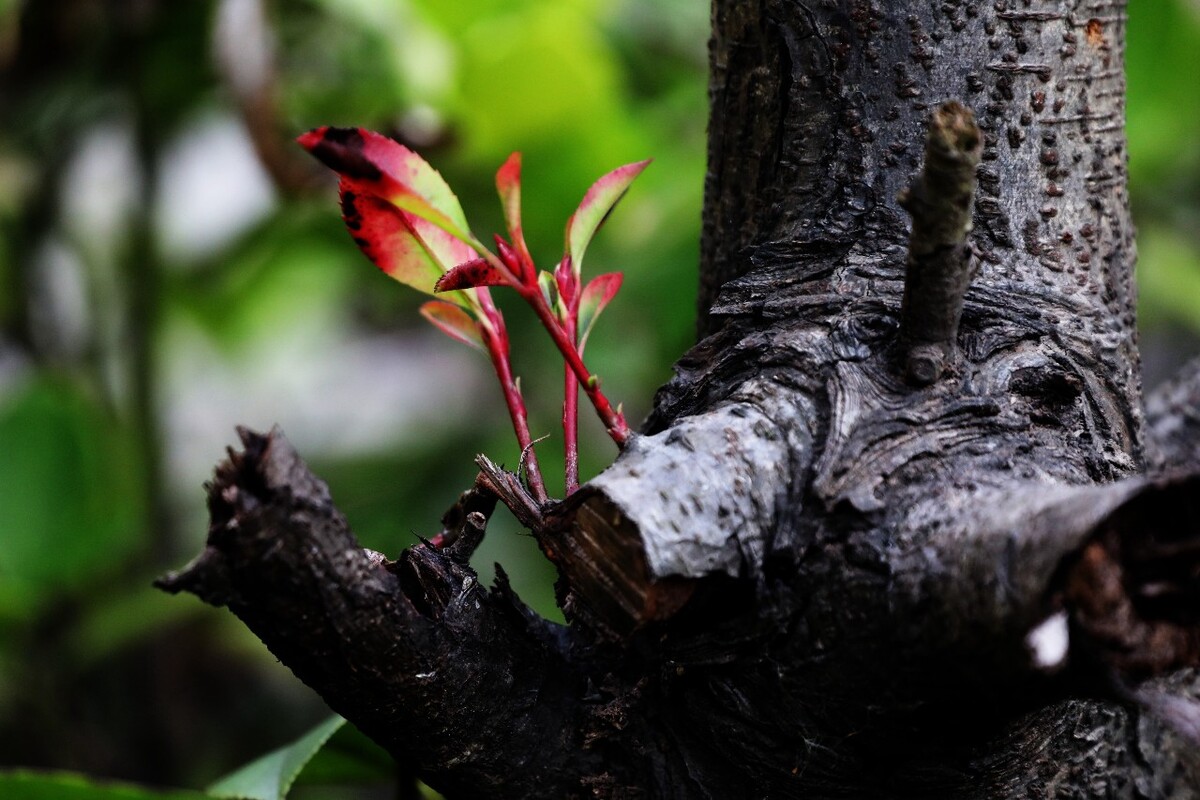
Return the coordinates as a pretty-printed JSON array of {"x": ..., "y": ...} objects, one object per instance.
[
  {"x": 387, "y": 169},
  {"x": 340, "y": 149},
  {"x": 399, "y": 243},
  {"x": 469, "y": 275},
  {"x": 350, "y": 212}
]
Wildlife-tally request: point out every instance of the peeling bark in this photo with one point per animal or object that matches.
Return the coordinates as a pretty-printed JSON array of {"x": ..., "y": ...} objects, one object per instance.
[{"x": 811, "y": 575}]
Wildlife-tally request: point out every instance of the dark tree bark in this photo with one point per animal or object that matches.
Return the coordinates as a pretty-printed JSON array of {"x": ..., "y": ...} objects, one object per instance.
[{"x": 878, "y": 538}]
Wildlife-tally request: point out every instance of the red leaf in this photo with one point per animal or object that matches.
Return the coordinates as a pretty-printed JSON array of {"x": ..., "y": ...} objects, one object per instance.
[
  {"x": 567, "y": 281},
  {"x": 596, "y": 295},
  {"x": 508, "y": 186},
  {"x": 509, "y": 257},
  {"x": 454, "y": 322},
  {"x": 385, "y": 236},
  {"x": 404, "y": 246},
  {"x": 383, "y": 167},
  {"x": 476, "y": 272}
]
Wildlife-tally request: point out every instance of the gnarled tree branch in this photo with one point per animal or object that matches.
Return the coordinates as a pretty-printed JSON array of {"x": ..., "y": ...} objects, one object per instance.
[{"x": 436, "y": 668}]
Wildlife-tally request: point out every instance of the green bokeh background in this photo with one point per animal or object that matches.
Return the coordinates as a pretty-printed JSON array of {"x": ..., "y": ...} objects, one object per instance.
[{"x": 159, "y": 285}]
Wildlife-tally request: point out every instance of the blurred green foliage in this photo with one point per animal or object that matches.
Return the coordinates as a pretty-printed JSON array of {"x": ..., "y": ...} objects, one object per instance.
[
  {"x": 171, "y": 266},
  {"x": 84, "y": 522},
  {"x": 1163, "y": 121},
  {"x": 24, "y": 785}
]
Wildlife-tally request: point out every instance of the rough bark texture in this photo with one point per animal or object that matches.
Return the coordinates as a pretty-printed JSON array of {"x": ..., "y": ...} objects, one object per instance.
[{"x": 811, "y": 576}]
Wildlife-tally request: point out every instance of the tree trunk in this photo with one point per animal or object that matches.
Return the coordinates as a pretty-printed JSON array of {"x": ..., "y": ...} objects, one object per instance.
[{"x": 878, "y": 538}]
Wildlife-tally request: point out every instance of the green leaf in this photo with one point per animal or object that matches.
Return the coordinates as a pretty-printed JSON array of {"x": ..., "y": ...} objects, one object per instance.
[
  {"x": 272, "y": 776},
  {"x": 549, "y": 289},
  {"x": 595, "y": 207},
  {"x": 349, "y": 757},
  {"x": 29, "y": 785}
]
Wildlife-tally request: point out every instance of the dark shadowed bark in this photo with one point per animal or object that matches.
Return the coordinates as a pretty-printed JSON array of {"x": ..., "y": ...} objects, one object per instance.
[{"x": 879, "y": 538}]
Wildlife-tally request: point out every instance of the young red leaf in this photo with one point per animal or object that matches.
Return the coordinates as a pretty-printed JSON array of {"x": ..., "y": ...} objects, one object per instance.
[
  {"x": 377, "y": 165},
  {"x": 596, "y": 295},
  {"x": 476, "y": 272},
  {"x": 510, "y": 258},
  {"x": 385, "y": 236},
  {"x": 567, "y": 281},
  {"x": 445, "y": 249},
  {"x": 405, "y": 247},
  {"x": 508, "y": 186},
  {"x": 595, "y": 207},
  {"x": 454, "y": 322}
]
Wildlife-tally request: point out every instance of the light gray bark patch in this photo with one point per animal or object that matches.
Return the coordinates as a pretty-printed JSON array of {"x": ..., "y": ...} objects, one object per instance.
[{"x": 727, "y": 470}]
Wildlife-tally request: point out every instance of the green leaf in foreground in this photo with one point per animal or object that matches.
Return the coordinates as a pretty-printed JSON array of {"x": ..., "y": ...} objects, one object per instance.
[
  {"x": 349, "y": 758},
  {"x": 27, "y": 785},
  {"x": 272, "y": 776}
]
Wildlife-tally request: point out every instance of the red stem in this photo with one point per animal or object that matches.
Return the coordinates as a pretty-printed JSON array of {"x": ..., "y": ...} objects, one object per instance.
[
  {"x": 495, "y": 338},
  {"x": 613, "y": 420}
]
